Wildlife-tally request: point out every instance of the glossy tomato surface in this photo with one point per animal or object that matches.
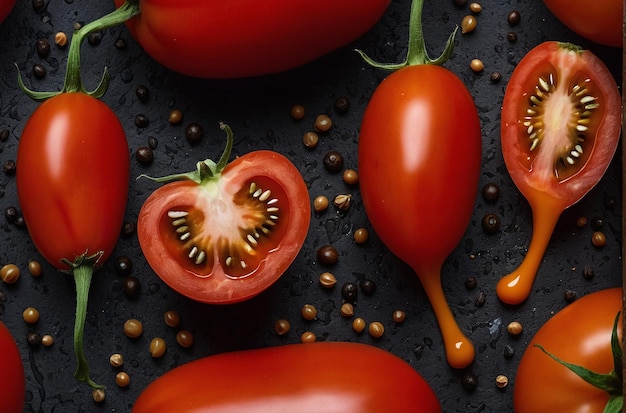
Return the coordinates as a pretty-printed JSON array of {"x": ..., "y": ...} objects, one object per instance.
[
  {"x": 12, "y": 381},
  {"x": 600, "y": 21},
  {"x": 5, "y": 8},
  {"x": 243, "y": 38},
  {"x": 332, "y": 377},
  {"x": 230, "y": 238},
  {"x": 558, "y": 139},
  {"x": 579, "y": 334},
  {"x": 419, "y": 162},
  {"x": 72, "y": 177}
]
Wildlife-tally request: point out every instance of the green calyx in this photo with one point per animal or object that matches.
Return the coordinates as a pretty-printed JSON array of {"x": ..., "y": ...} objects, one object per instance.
[
  {"x": 82, "y": 270},
  {"x": 73, "y": 81},
  {"x": 610, "y": 382},
  {"x": 416, "y": 53},
  {"x": 206, "y": 170}
]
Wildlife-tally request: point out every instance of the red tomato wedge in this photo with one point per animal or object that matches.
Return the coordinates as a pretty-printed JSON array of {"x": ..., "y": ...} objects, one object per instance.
[
  {"x": 561, "y": 121},
  {"x": 230, "y": 234},
  {"x": 242, "y": 38},
  {"x": 333, "y": 377}
]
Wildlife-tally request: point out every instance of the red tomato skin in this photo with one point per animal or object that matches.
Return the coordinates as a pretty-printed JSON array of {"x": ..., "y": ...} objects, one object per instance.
[
  {"x": 244, "y": 38},
  {"x": 325, "y": 376},
  {"x": 600, "y": 22},
  {"x": 514, "y": 136},
  {"x": 419, "y": 163},
  {"x": 216, "y": 287},
  {"x": 12, "y": 381},
  {"x": 73, "y": 170},
  {"x": 579, "y": 334},
  {"x": 5, "y": 8}
]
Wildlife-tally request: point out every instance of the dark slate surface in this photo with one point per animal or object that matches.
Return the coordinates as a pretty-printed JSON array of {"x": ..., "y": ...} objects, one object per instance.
[{"x": 258, "y": 111}]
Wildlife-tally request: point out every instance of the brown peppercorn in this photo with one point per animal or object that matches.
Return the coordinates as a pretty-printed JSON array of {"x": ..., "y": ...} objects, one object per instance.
[
  {"x": 309, "y": 312},
  {"x": 327, "y": 254},
  {"x": 307, "y": 337},
  {"x": 34, "y": 267},
  {"x": 47, "y": 340},
  {"x": 310, "y": 139},
  {"x": 30, "y": 315},
  {"x": 598, "y": 239},
  {"x": 361, "y": 235},
  {"x": 477, "y": 65},
  {"x": 157, "y": 347},
  {"x": 297, "y": 112},
  {"x": 10, "y": 273},
  {"x": 122, "y": 379},
  {"x": 171, "y": 318},
  {"x": 350, "y": 177},
  {"x": 175, "y": 117},
  {"x": 184, "y": 338},
  {"x": 468, "y": 24},
  {"x": 358, "y": 325},
  {"x": 322, "y": 123},
  {"x": 475, "y": 7},
  {"x": 398, "y": 316},
  {"x": 133, "y": 328},
  {"x": 320, "y": 203},
  {"x": 376, "y": 329},
  {"x": 282, "y": 326}
]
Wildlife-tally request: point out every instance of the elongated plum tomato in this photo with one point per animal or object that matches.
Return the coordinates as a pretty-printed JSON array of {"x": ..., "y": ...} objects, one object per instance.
[
  {"x": 12, "y": 381},
  {"x": 229, "y": 232},
  {"x": 242, "y": 38},
  {"x": 5, "y": 8},
  {"x": 334, "y": 377},
  {"x": 560, "y": 127},
  {"x": 579, "y": 334},
  {"x": 600, "y": 21}
]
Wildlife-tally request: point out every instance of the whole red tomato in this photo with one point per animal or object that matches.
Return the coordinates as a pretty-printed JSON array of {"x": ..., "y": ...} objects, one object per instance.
[
  {"x": 12, "y": 382},
  {"x": 332, "y": 377},
  {"x": 72, "y": 185},
  {"x": 560, "y": 127},
  {"x": 600, "y": 21},
  {"x": 419, "y": 162},
  {"x": 227, "y": 232},
  {"x": 5, "y": 8},
  {"x": 579, "y": 334},
  {"x": 242, "y": 38}
]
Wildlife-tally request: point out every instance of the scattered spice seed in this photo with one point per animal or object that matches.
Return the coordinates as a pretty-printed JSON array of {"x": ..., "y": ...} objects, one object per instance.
[
  {"x": 598, "y": 239},
  {"x": 34, "y": 267},
  {"x": 597, "y": 223},
  {"x": 398, "y": 316},
  {"x": 43, "y": 47},
  {"x": 479, "y": 300},
  {"x": 116, "y": 360},
  {"x": 349, "y": 292},
  {"x": 308, "y": 312},
  {"x": 588, "y": 272},
  {"x": 123, "y": 265},
  {"x": 133, "y": 328},
  {"x": 39, "y": 71},
  {"x": 502, "y": 381},
  {"x": 9, "y": 167},
  {"x": 358, "y": 325},
  {"x": 94, "y": 38},
  {"x": 153, "y": 142},
  {"x": 477, "y": 65},
  {"x": 361, "y": 235},
  {"x": 141, "y": 121},
  {"x": 460, "y": 3},
  {"x": 47, "y": 340},
  {"x": 495, "y": 77},
  {"x": 144, "y": 155},
  {"x": 491, "y": 192},
  {"x": 350, "y": 177},
  {"x": 569, "y": 295},
  {"x": 514, "y": 328},
  {"x": 581, "y": 222},
  {"x": 513, "y": 17},
  {"x": 322, "y": 123},
  {"x": 282, "y": 326},
  {"x": 310, "y": 139},
  {"x": 194, "y": 133},
  {"x": 469, "y": 381},
  {"x": 129, "y": 228},
  {"x": 327, "y": 280},
  {"x": 327, "y": 254},
  {"x": 30, "y": 315},
  {"x": 4, "y": 135},
  {"x": 131, "y": 286},
  {"x": 320, "y": 203},
  {"x": 342, "y": 201},
  {"x": 491, "y": 223},
  {"x": 60, "y": 39},
  {"x": 171, "y": 318},
  {"x": 184, "y": 338},
  {"x": 509, "y": 351},
  {"x": 342, "y": 105},
  {"x": 376, "y": 329},
  {"x": 468, "y": 24},
  {"x": 307, "y": 337},
  {"x": 475, "y": 7},
  {"x": 175, "y": 117},
  {"x": 297, "y": 112},
  {"x": 470, "y": 283},
  {"x": 157, "y": 347},
  {"x": 98, "y": 395},
  {"x": 511, "y": 37},
  {"x": 142, "y": 93},
  {"x": 33, "y": 338},
  {"x": 347, "y": 310},
  {"x": 333, "y": 161},
  {"x": 368, "y": 286},
  {"x": 10, "y": 273},
  {"x": 122, "y": 379}
]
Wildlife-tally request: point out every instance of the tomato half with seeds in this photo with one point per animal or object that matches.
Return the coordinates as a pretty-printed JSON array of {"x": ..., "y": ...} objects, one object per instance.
[
  {"x": 12, "y": 381},
  {"x": 580, "y": 334},
  {"x": 560, "y": 127},
  {"x": 226, "y": 232}
]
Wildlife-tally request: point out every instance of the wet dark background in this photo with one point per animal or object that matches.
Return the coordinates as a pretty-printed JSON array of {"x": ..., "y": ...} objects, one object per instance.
[{"x": 258, "y": 112}]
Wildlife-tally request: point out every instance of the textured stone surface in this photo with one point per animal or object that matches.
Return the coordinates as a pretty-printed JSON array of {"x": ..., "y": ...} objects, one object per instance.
[{"x": 258, "y": 111}]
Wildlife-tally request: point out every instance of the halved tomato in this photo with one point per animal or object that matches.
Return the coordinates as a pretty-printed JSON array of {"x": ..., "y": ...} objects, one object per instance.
[
  {"x": 227, "y": 231},
  {"x": 561, "y": 121}
]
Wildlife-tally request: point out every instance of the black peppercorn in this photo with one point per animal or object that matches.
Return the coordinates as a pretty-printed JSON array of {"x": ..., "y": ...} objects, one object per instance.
[
  {"x": 349, "y": 292},
  {"x": 470, "y": 283},
  {"x": 368, "y": 286},
  {"x": 511, "y": 37},
  {"x": 132, "y": 286},
  {"x": 194, "y": 133},
  {"x": 333, "y": 161},
  {"x": 38, "y": 5},
  {"x": 141, "y": 121},
  {"x": 123, "y": 265},
  {"x": 495, "y": 77},
  {"x": 508, "y": 351},
  {"x": 588, "y": 272},
  {"x": 342, "y": 104},
  {"x": 513, "y": 18},
  {"x": 153, "y": 142},
  {"x": 39, "y": 71},
  {"x": 120, "y": 43},
  {"x": 491, "y": 192},
  {"x": 144, "y": 155},
  {"x": 569, "y": 295},
  {"x": 596, "y": 223},
  {"x": 11, "y": 214},
  {"x": 327, "y": 254},
  {"x": 469, "y": 381},
  {"x": 4, "y": 135},
  {"x": 94, "y": 38},
  {"x": 491, "y": 223},
  {"x": 142, "y": 93},
  {"x": 128, "y": 228},
  {"x": 33, "y": 338},
  {"x": 43, "y": 47},
  {"x": 9, "y": 167}
]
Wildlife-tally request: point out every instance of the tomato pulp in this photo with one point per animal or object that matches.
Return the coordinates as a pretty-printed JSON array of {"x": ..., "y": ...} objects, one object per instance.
[
  {"x": 230, "y": 234},
  {"x": 334, "y": 377},
  {"x": 12, "y": 380},
  {"x": 419, "y": 160},
  {"x": 242, "y": 38},
  {"x": 579, "y": 334},
  {"x": 561, "y": 121}
]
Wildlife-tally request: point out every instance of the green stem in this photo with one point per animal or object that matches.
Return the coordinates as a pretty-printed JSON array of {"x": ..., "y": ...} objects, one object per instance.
[
  {"x": 73, "y": 81},
  {"x": 416, "y": 53},
  {"x": 82, "y": 277}
]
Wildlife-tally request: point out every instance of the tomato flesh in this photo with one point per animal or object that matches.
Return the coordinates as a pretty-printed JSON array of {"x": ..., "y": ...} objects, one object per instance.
[
  {"x": 312, "y": 377},
  {"x": 579, "y": 334},
  {"x": 12, "y": 380},
  {"x": 5, "y": 8},
  {"x": 228, "y": 239},
  {"x": 561, "y": 122}
]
